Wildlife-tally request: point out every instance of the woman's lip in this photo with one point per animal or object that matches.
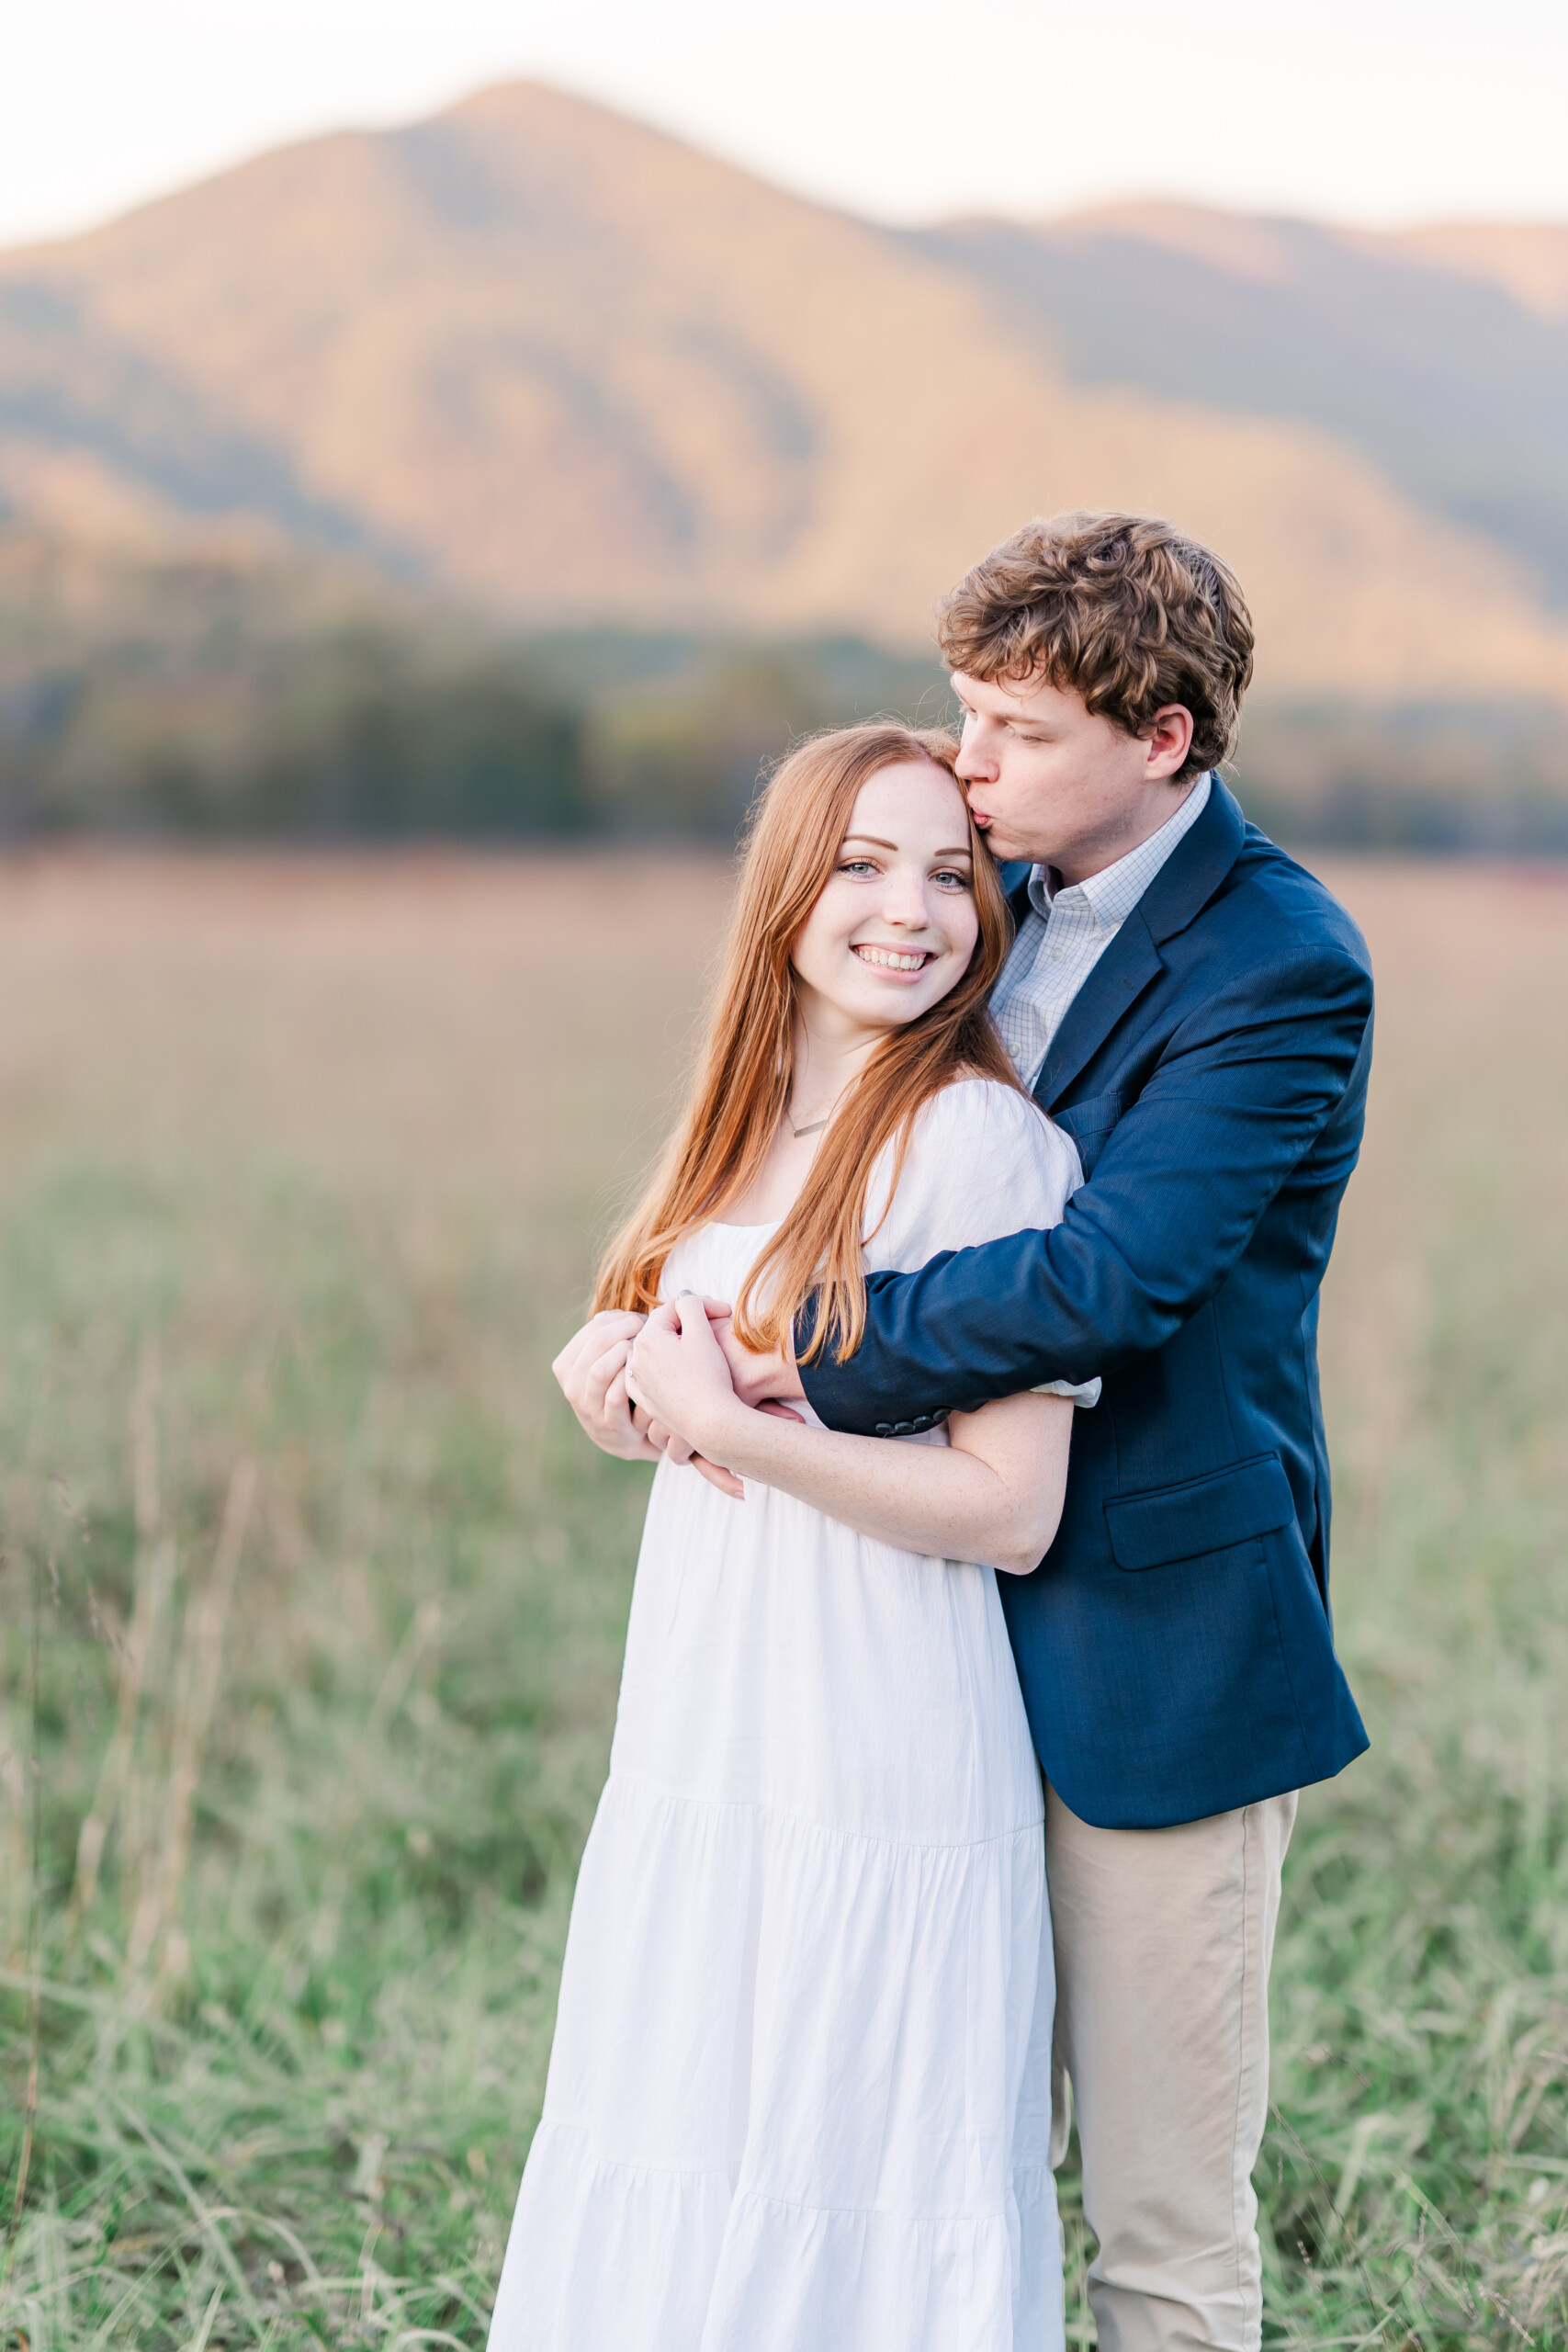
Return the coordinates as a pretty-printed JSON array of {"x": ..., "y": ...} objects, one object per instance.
[{"x": 893, "y": 971}]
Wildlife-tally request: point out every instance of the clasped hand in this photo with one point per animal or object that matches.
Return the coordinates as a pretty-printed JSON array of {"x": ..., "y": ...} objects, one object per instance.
[{"x": 690, "y": 1372}]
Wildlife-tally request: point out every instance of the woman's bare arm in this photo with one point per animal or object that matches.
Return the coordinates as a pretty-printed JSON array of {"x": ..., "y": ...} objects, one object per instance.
[{"x": 994, "y": 1495}]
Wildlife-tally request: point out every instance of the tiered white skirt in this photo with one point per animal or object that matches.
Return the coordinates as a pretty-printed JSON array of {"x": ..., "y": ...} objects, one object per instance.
[{"x": 799, "y": 2095}]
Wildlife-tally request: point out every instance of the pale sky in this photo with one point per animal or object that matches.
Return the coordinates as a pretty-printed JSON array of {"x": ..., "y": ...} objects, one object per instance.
[{"x": 1383, "y": 112}]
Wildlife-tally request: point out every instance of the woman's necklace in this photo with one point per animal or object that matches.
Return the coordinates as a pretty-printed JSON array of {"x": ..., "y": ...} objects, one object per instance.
[{"x": 813, "y": 1126}]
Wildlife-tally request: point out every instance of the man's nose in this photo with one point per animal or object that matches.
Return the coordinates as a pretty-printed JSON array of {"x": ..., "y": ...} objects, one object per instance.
[{"x": 975, "y": 763}]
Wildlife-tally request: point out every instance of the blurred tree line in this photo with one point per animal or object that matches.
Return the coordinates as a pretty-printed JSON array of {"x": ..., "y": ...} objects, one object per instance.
[
  {"x": 1484, "y": 778},
  {"x": 206, "y": 699},
  {"x": 248, "y": 699}
]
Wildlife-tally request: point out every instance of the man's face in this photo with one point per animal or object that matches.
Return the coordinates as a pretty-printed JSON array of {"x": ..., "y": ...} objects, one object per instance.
[{"x": 1048, "y": 781}]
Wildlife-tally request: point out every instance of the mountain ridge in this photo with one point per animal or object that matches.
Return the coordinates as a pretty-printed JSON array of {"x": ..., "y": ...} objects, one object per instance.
[
  {"x": 1451, "y": 385},
  {"x": 535, "y": 357}
]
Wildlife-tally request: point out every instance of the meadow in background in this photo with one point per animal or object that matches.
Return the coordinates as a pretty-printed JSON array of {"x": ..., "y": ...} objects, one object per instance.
[{"x": 312, "y": 1595}]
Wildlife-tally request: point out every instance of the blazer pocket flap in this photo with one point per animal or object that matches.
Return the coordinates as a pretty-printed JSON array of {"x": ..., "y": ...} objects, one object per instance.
[{"x": 1201, "y": 1515}]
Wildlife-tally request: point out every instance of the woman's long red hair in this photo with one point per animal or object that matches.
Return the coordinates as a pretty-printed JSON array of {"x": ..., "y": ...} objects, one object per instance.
[{"x": 743, "y": 1074}]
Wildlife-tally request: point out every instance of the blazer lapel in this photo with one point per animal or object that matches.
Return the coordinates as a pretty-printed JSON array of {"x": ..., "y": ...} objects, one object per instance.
[
  {"x": 1196, "y": 866},
  {"x": 1117, "y": 982},
  {"x": 1181, "y": 888},
  {"x": 1014, "y": 874}
]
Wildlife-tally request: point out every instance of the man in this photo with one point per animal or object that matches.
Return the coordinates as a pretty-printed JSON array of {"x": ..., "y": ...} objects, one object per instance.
[{"x": 1196, "y": 1012}]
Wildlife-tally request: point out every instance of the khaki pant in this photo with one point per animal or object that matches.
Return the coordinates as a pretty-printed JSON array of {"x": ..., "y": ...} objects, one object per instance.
[{"x": 1163, "y": 1941}]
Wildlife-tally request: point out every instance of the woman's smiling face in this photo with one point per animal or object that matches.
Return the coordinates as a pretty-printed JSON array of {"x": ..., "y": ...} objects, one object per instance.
[{"x": 895, "y": 925}]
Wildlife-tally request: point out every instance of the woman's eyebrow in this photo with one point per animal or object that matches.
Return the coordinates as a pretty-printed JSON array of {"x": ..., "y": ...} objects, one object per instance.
[{"x": 875, "y": 840}]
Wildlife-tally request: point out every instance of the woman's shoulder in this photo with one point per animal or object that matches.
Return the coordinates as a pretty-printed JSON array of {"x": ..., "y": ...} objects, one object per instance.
[
  {"x": 976, "y": 1117},
  {"x": 983, "y": 1159},
  {"x": 974, "y": 1101}
]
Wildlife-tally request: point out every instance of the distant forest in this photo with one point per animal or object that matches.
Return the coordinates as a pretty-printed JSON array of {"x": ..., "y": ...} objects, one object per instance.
[{"x": 217, "y": 700}]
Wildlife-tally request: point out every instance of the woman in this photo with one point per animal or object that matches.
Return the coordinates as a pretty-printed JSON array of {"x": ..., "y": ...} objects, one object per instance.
[{"x": 799, "y": 2096}]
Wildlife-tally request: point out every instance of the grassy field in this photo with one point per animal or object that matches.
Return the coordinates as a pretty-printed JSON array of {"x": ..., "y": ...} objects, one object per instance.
[{"x": 312, "y": 1598}]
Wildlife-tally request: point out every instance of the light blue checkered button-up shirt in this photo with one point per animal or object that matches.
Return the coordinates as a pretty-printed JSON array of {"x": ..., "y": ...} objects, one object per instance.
[{"x": 1066, "y": 931}]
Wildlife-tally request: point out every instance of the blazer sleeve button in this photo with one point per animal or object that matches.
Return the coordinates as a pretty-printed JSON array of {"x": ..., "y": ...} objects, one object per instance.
[
  {"x": 883, "y": 1429},
  {"x": 903, "y": 1428}
]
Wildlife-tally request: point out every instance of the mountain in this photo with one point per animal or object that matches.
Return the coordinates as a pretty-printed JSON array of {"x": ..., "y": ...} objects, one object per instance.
[
  {"x": 1441, "y": 356},
  {"x": 534, "y": 357}
]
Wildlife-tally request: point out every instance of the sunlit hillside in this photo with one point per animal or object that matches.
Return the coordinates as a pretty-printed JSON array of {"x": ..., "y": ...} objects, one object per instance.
[
  {"x": 1439, "y": 355},
  {"x": 533, "y": 354}
]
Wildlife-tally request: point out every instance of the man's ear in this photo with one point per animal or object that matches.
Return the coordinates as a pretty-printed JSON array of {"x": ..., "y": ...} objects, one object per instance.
[{"x": 1169, "y": 738}]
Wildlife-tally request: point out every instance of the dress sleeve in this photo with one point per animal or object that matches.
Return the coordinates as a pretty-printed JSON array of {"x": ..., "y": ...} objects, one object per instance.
[{"x": 983, "y": 1161}]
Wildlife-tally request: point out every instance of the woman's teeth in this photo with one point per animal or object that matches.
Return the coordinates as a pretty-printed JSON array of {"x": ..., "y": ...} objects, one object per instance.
[{"x": 895, "y": 959}]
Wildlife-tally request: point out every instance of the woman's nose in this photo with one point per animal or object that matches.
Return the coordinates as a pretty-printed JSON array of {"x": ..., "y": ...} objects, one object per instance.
[{"x": 904, "y": 901}]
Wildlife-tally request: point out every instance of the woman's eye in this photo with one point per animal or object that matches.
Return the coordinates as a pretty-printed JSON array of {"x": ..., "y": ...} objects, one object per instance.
[
  {"x": 949, "y": 880},
  {"x": 858, "y": 865}
]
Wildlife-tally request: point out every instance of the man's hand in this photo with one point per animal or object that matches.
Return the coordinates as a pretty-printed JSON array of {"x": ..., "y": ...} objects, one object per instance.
[
  {"x": 591, "y": 1370},
  {"x": 760, "y": 1380}
]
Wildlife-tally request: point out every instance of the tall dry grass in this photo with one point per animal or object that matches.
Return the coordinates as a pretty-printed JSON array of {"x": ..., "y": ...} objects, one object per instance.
[{"x": 312, "y": 1598}]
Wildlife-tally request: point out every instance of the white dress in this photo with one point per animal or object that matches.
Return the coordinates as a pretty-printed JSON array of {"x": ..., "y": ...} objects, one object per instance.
[{"x": 799, "y": 2096}]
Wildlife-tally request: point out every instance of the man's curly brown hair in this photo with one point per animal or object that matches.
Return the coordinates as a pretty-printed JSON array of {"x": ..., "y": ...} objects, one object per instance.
[{"x": 1124, "y": 609}]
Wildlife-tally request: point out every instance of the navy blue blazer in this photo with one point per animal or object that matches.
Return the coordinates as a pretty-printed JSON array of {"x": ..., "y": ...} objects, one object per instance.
[{"x": 1174, "y": 1646}]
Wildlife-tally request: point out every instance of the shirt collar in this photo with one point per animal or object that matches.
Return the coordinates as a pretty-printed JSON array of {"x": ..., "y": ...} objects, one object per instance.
[{"x": 1112, "y": 893}]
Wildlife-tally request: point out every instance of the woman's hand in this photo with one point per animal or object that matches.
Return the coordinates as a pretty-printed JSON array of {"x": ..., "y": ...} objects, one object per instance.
[
  {"x": 591, "y": 1370},
  {"x": 677, "y": 1373}
]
